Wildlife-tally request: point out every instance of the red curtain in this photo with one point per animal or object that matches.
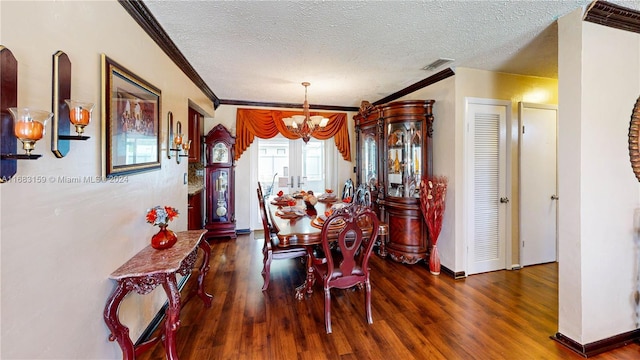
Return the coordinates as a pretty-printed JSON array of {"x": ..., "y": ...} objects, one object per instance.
[{"x": 266, "y": 124}]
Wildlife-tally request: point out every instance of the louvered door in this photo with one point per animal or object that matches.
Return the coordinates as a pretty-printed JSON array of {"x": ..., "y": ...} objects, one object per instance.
[{"x": 487, "y": 190}]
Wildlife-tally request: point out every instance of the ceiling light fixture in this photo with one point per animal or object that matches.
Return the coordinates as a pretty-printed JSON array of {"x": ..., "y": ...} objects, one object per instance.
[{"x": 305, "y": 125}]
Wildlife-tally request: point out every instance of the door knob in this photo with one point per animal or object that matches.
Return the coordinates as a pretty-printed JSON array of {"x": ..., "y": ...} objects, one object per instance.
[
  {"x": 504, "y": 200},
  {"x": 554, "y": 197}
]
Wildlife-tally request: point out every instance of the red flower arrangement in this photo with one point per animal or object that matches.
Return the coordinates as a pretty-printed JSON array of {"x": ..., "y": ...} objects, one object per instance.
[
  {"x": 432, "y": 198},
  {"x": 161, "y": 215}
]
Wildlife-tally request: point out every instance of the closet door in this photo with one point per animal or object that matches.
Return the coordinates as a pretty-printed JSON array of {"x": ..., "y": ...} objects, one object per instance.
[
  {"x": 538, "y": 183},
  {"x": 487, "y": 197}
]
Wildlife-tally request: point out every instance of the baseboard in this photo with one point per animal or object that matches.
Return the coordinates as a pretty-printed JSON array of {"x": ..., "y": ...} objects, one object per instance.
[
  {"x": 456, "y": 275},
  {"x": 600, "y": 346},
  {"x": 155, "y": 322}
]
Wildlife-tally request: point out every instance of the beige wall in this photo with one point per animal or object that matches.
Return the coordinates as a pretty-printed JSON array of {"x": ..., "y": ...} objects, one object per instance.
[
  {"x": 59, "y": 241},
  {"x": 599, "y": 72}
]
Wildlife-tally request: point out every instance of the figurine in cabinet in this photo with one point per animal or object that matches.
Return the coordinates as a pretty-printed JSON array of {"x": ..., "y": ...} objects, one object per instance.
[
  {"x": 220, "y": 183},
  {"x": 401, "y": 132}
]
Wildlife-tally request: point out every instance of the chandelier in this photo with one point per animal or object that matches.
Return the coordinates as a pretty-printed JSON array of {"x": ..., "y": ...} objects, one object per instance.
[{"x": 305, "y": 125}]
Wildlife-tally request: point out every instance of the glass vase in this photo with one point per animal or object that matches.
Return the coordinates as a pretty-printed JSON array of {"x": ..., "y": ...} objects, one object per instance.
[{"x": 164, "y": 238}]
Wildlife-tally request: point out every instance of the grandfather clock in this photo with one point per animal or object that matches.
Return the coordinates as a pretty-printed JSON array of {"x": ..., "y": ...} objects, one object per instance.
[{"x": 220, "y": 183}]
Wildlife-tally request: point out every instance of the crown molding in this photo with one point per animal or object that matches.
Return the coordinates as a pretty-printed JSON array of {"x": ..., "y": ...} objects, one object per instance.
[
  {"x": 141, "y": 14},
  {"x": 612, "y": 15}
]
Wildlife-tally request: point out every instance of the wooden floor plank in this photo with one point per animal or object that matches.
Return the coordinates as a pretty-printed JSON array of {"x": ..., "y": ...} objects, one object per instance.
[{"x": 497, "y": 315}]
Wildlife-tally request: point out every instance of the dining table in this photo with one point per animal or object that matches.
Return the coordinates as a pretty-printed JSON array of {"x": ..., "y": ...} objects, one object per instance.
[{"x": 303, "y": 230}]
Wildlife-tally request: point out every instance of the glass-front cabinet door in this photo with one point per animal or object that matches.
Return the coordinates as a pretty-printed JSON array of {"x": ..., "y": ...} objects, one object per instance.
[
  {"x": 369, "y": 159},
  {"x": 220, "y": 195},
  {"x": 404, "y": 158}
]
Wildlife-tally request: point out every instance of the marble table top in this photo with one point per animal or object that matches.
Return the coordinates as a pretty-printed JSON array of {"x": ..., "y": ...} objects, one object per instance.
[{"x": 150, "y": 261}]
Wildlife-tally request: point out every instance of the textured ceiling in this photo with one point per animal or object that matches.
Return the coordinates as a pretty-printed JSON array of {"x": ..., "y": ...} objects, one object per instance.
[{"x": 261, "y": 51}]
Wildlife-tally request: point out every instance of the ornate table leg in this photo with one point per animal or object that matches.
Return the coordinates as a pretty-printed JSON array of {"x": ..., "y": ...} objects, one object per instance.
[
  {"x": 172, "y": 319},
  {"x": 307, "y": 287},
  {"x": 119, "y": 332},
  {"x": 204, "y": 269}
]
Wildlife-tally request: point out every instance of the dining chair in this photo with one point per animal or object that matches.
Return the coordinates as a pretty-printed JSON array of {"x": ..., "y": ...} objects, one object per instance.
[
  {"x": 347, "y": 190},
  {"x": 349, "y": 266},
  {"x": 362, "y": 196},
  {"x": 270, "y": 250},
  {"x": 262, "y": 199}
]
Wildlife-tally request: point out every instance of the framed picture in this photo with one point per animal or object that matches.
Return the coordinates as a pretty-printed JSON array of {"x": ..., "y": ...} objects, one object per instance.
[{"x": 131, "y": 121}]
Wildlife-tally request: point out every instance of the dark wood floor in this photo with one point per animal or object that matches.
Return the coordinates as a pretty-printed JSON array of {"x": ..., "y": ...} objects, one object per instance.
[{"x": 498, "y": 315}]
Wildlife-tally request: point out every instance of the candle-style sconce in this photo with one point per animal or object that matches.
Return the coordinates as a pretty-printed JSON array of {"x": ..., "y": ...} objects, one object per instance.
[
  {"x": 186, "y": 145},
  {"x": 26, "y": 124},
  {"x": 66, "y": 111},
  {"x": 28, "y": 127},
  {"x": 176, "y": 142}
]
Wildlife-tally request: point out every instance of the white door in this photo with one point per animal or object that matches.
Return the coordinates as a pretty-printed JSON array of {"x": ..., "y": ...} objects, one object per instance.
[
  {"x": 538, "y": 183},
  {"x": 487, "y": 186}
]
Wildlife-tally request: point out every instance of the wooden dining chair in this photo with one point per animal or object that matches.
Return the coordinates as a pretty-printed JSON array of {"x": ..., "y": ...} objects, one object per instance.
[
  {"x": 270, "y": 250},
  {"x": 349, "y": 266},
  {"x": 262, "y": 200},
  {"x": 347, "y": 189},
  {"x": 362, "y": 196}
]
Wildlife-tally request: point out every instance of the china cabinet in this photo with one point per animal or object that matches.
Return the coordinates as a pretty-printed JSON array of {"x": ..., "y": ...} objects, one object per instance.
[
  {"x": 393, "y": 143},
  {"x": 220, "y": 183}
]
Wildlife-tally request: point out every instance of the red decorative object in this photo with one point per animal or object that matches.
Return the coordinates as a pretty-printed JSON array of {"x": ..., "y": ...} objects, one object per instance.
[
  {"x": 164, "y": 239},
  {"x": 432, "y": 199}
]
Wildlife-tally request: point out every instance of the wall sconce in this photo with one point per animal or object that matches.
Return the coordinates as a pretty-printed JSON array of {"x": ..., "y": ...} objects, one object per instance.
[
  {"x": 186, "y": 145},
  {"x": 66, "y": 111},
  {"x": 176, "y": 142},
  {"x": 28, "y": 127},
  {"x": 79, "y": 114},
  {"x": 26, "y": 124}
]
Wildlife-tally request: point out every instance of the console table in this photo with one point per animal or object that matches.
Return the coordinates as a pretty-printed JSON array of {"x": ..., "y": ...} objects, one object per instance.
[{"x": 143, "y": 273}]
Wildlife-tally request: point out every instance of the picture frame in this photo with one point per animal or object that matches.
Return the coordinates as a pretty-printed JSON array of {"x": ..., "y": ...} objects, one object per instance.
[
  {"x": 131, "y": 121},
  {"x": 634, "y": 139}
]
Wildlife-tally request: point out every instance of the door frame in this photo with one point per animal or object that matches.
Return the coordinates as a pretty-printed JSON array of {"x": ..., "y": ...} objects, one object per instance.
[{"x": 468, "y": 213}]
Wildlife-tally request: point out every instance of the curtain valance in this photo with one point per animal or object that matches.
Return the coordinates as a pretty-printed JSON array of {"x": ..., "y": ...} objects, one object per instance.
[{"x": 266, "y": 124}]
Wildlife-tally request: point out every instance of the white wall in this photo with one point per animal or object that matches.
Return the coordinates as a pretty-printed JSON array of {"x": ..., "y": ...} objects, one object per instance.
[
  {"x": 599, "y": 72},
  {"x": 60, "y": 242}
]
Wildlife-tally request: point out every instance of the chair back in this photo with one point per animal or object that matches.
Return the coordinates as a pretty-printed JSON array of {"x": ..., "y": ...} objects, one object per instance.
[
  {"x": 357, "y": 228},
  {"x": 347, "y": 190},
  {"x": 362, "y": 196},
  {"x": 263, "y": 213}
]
